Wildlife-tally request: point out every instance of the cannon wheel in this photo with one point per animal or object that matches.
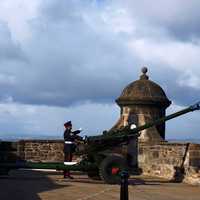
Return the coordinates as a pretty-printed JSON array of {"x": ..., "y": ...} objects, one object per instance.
[
  {"x": 111, "y": 167},
  {"x": 94, "y": 175}
]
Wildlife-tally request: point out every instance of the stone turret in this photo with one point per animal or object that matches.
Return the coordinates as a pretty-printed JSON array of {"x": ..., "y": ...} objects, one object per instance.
[{"x": 143, "y": 101}]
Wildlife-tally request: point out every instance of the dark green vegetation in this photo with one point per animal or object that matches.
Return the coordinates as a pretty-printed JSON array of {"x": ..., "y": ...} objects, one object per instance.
[{"x": 104, "y": 156}]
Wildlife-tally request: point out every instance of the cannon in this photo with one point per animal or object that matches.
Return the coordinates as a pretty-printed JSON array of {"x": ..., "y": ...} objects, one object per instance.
[{"x": 103, "y": 156}]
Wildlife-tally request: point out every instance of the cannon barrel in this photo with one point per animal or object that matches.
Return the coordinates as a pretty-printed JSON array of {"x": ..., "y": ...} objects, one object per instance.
[
  {"x": 82, "y": 166},
  {"x": 169, "y": 117},
  {"x": 128, "y": 132}
]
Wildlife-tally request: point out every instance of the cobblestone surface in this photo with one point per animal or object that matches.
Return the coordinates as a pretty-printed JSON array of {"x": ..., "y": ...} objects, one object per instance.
[{"x": 36, "y": 185}]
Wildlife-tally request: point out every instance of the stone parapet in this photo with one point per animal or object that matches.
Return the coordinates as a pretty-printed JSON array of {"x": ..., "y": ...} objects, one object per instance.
[
  {"x": 32, "y": 150},
  {"x": 42, "y": 150},
  {"x": 174, "y": 161}
]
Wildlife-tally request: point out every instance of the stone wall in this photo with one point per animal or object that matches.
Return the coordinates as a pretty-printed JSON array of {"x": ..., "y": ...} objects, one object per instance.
[
  {"x": 193, "y": 165},
  {"x": 174, "y": 161},
  {"x": 32, "y": 150},
  {"x": 41, "y": 150}
]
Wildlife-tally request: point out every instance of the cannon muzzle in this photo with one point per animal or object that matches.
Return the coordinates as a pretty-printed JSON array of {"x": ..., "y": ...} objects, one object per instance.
[{"x": 196, "y": 106}]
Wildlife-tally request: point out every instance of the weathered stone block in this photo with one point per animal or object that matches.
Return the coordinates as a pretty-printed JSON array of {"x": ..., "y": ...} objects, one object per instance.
[
  {"x": 194, "y": 153},
  {"x": 194, "y": 162}
]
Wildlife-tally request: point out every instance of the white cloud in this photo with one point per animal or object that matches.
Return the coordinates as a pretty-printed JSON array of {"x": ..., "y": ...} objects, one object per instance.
[
  {"x": 190, "y": 79},
  {"x": 178, "y": 17},
  {"x": 180, "y": 56},
  {"x": 176, "y": 54},
  {"x": 17, "y": 14},
  {"x": 7, "y": 79},
  {"x": 55, "y": 54},
  {"x": 43, "y": 120}
]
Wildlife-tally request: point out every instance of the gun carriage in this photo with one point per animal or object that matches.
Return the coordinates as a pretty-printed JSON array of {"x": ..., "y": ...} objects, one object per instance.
[{"x": 103, "y": 156}]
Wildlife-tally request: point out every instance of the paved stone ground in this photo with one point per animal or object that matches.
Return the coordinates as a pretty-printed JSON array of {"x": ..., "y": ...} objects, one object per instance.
[{"x": 35, "y": 185}]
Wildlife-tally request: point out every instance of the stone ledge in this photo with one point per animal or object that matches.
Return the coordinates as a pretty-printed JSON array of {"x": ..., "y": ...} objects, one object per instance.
[{"x": 41, "y": 141}]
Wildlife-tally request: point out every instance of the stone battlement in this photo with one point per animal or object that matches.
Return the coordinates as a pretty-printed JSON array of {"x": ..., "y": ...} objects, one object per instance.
[
  {"x": 33, "y": 150},
  {"x": 174, "y": 161}
]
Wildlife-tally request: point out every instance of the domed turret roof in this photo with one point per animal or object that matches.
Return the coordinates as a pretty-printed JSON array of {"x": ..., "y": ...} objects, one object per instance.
[{"x": 143, "y": 91}]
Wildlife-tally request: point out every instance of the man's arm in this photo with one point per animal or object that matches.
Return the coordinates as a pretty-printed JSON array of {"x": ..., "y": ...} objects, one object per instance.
[
  {"x": 76, "y": 136},
  {"x": 76, "y": 132}
]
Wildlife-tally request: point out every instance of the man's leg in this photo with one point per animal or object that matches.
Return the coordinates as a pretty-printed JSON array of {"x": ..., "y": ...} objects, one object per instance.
[
  {"x": 66, "y": 173},
  {"x": 70, "y": 160},
  {"x": 66, "y": 159}
]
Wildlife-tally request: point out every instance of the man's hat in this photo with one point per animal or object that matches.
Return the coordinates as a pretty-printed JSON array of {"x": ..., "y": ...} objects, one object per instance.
[{"x": 67, "y": 124}]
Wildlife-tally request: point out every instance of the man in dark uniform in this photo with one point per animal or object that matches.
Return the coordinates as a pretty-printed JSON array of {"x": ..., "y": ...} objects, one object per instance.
[{"x": 69, "y": 145}]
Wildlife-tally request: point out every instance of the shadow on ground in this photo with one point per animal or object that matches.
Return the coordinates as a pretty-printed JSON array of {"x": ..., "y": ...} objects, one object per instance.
[
  {"x": 84, "y": 179},
  {"x": 140, "y": 181},
  {"x": 132, "y": 181},
  {"x": 26, "y": 185}
]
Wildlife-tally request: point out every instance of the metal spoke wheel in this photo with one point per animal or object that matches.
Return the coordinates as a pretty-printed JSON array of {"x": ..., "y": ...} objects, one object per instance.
[{"x": 111, "y": 168}]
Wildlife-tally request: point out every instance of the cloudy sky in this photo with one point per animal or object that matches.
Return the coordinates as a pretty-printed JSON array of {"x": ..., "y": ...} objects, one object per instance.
[{"x": 69, "y": 60}]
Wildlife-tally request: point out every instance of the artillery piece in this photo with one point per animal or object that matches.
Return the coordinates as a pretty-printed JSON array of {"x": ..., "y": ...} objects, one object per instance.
[{"x": 103, "y": 156}]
